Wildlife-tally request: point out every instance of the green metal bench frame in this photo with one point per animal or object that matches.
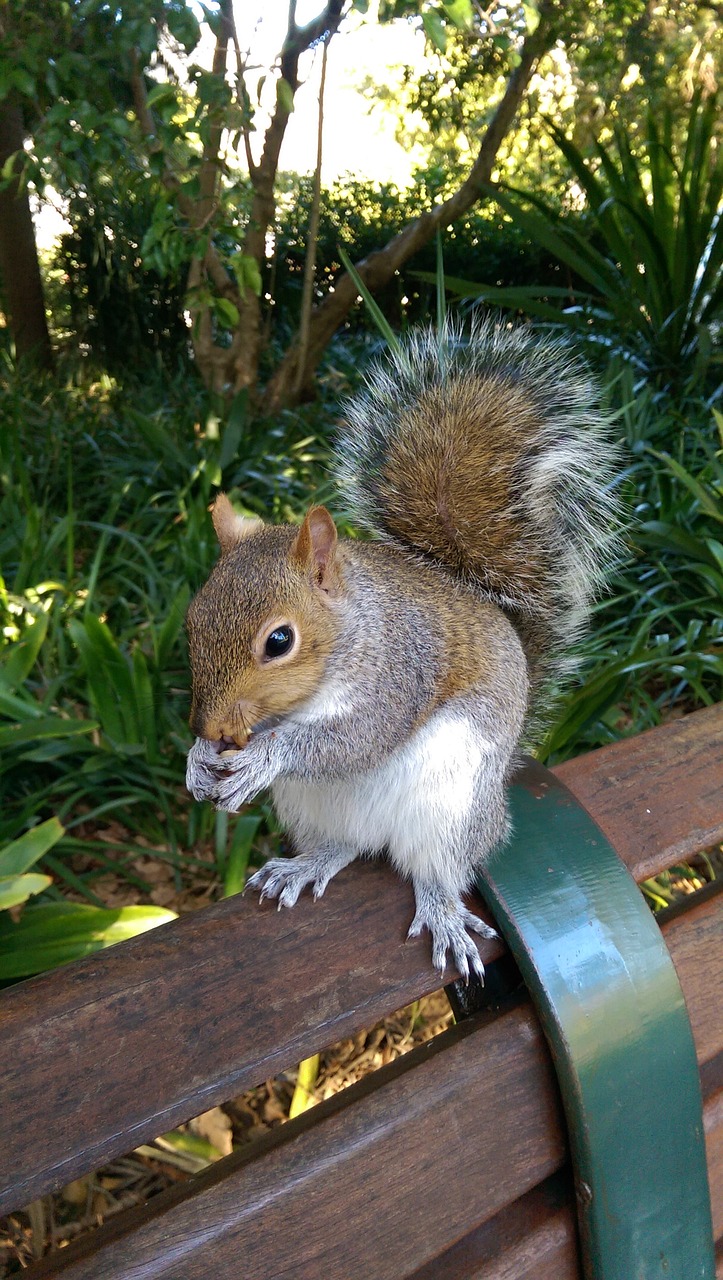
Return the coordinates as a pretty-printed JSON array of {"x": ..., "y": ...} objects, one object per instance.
[{"x": 611, "y": 1007}]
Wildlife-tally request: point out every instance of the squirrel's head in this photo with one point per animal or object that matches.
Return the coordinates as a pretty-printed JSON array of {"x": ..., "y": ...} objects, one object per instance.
[{"x": 262, "y": 627}]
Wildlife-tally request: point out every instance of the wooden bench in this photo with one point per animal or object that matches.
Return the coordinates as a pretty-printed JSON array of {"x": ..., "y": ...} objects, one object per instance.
[{"x": 450, "y": 1162}]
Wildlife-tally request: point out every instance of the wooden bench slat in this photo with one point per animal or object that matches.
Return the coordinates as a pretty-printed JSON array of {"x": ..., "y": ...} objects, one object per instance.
[
  {"x": 350, "y": 1191},
  {"x": 400, "y": 1166},
  {"x": 658, "y": 796},
  {"x": 713, "y": 1119},
  {"x": 695, "y": 941},
  {"x": 140, "y": 1038},
  {"x": 533, "y": 1239}
]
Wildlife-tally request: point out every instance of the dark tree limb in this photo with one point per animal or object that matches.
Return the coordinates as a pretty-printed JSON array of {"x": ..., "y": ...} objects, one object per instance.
[
  {"x": 379, "y": 267},
  {"x": 19, "y": 265},
  {"x": 263, "y": 179}
]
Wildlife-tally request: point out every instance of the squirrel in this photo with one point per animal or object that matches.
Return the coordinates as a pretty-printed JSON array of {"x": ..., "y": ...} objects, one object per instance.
[{"x": 381, "y": 688}]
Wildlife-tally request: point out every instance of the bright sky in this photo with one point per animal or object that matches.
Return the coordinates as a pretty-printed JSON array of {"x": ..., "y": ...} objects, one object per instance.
[{"x": 356, "y": 140}]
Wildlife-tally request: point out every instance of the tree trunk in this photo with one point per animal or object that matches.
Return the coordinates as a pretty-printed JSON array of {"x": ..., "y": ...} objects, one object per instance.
[
  {"x": 312, "y": 235},
  {"x": 263, "y": 180},
  {"x": 379, "y": 267},
  {"x": 19, "y": 265}
]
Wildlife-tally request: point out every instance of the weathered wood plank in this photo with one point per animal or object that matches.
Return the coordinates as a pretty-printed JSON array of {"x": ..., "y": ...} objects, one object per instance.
[
  {"x": 399, "y": 1168},
  {"x": 138, "y": 1039},
  {"x": 695, "y": 941},
  {"x": 658, "y": 796},
  {"x": 533, "y": 1239},
  {"x": 396, "y": 1171}
]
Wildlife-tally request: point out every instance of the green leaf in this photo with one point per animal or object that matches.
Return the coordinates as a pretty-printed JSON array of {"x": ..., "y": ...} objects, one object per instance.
[
  {"x": 109, "y": 676},
  {"x": 532, "y": 17},
  {"x": 21, "y": 709},
  {"x": 145, "y": 703},
  {"x": 372, "y": 306},
  {"x": 23, "y": 81},
  {"x": 23, "y": 654},
  {"x": 284, "y": 95},
  {"x": 57, "y": 932},
  {"x": 226, "y": 312},
  {"x": 234, "y": 429},
  {"x": 8, "y": 168},
  {"x": 253, "y": 276},
  {"x": 23, "y": 852},
  {"x": 160, "y": 94},
  {"x": 460, "y": 12},
  {"x": 31, "y": 730},
  {"x": 247, "y": 272},
  {"x": 441, "y": 288},
  {"x": 165, "y": 639},
  {"x": 435, "y": 31},
  {"x": 191, "y": 1144},
  {"x": 184, "y": 27},
  {"x": 705, "y": 497},
  {"x": 237, "y": 861},
  {"x": 17, "y": 889}
]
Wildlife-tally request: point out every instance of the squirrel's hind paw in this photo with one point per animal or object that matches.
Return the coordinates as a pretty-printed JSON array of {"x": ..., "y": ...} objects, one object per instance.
[
  {"x": 286, "y": 878},
  {"x": 448, "y": 921}
]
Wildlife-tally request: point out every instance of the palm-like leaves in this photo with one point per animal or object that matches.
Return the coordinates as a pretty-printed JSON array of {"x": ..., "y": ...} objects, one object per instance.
[{"x": 652, "y": 259}]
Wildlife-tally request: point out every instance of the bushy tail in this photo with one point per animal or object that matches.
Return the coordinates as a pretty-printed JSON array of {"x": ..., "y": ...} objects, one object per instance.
[{"x": 493, "y": 458}]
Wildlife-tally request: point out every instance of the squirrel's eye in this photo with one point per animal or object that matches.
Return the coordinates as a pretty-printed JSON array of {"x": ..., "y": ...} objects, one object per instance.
[{"x": 279, "y": 642}]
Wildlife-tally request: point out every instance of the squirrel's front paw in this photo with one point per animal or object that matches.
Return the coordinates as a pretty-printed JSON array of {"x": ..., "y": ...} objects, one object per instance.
[
  {"x": 449, "y": 921},
  {"x": 229, "y": 779},
  {"x": 238, "y": 780},
  {"x": 201, "y": 769}
]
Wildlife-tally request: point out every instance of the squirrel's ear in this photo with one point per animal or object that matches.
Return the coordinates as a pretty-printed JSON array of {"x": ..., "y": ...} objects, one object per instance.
[
  {"x": 230, "y": 527},
  {"x": 315, "y": 547}
]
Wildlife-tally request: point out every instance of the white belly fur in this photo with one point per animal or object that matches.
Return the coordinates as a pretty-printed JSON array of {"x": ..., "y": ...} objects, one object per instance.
[{"x": 417, "y": 802}]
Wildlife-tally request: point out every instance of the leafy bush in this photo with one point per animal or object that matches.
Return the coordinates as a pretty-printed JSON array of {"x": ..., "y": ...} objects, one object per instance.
[
  {"x": 652, "y": 256},
  {"x": 655, "y": 647},
  {"x": 115, "y": 283}
]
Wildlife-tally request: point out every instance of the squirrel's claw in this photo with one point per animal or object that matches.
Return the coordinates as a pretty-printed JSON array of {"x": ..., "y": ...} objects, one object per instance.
[{"x": 448, "y": 921}]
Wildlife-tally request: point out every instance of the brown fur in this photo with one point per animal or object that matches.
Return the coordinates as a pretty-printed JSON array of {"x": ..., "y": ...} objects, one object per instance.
[
  {"x": 273, "y": 575},
  {"x": 454, "y": 498}
]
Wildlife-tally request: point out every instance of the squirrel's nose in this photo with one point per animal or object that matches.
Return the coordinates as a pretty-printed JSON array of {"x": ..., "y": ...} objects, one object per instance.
[{"x": 233, "y": 726}]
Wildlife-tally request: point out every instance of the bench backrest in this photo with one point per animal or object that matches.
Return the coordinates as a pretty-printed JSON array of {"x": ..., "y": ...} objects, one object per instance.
[{"x": 449, "y": 1162}]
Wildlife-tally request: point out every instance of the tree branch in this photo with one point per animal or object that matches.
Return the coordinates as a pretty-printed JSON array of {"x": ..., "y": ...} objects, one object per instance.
[
  {"x": 263, "y": 178},
  {"x": 376, "y": 269},
  {"x": 211, "y": 261},
  {"x": 299, "y": 39},
  {"x": 307, "y": 293}
]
